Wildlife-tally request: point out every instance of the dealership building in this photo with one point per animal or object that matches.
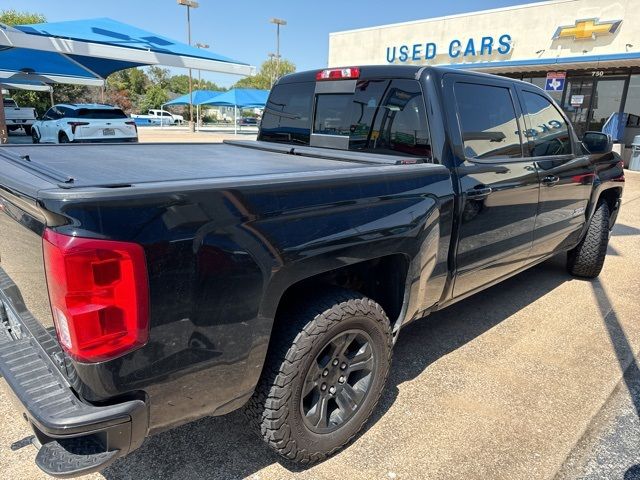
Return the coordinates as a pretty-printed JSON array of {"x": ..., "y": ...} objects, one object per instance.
[{"x": 585, "y": 53}]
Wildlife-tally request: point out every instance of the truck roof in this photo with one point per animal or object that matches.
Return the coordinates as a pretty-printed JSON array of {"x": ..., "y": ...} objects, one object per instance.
[{"x": 391, "y": 71}]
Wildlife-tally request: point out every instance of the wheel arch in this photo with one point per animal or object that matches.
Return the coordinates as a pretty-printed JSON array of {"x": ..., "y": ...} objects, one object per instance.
[{"x": 382, "y": 279}]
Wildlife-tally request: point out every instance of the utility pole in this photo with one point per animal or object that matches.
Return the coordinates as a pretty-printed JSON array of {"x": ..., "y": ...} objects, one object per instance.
[
  {"x": 189, "y": 4},
  {"x": 278, "y": 22}
]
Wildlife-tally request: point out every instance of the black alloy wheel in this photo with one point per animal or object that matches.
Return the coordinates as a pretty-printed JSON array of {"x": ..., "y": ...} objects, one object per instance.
[{"x": 338, "y": 381}]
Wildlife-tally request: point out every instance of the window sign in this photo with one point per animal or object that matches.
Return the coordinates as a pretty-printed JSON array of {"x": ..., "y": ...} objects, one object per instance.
[
  {"x": 555, "y": 81},
  {"x": 577, "y": 100}
]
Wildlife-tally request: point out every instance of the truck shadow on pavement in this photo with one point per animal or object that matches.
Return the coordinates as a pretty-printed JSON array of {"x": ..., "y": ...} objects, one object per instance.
[{"x": 225, "y": 448}]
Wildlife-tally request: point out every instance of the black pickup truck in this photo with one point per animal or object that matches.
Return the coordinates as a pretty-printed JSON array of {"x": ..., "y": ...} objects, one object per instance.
[{"x": 145, "y": 286}]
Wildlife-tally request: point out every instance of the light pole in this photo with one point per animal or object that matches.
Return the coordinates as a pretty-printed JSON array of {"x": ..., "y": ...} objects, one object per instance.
[
  {"x": 274, "y": 73},
  {"x": 199, "y": 122},
  {"x": 278, "y": 22},
  {"x": 189, "y": 4}
]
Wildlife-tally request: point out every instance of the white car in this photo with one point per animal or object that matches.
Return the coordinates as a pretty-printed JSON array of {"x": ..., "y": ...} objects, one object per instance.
[{"x": 86, "y": 122}]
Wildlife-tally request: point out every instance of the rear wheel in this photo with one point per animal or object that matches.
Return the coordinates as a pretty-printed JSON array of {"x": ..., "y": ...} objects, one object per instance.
[
  {"x": 587, "y": 258},
  {"x": 62, "y": 138},
  {"x": 323, "y": 377}
]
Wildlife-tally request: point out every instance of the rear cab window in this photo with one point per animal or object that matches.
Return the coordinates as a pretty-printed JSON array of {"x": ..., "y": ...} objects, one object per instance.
[{"x": 368, "y": 115}]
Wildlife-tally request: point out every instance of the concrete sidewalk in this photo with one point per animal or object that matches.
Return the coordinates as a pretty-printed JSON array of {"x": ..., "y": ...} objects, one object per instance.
[{"x": 502, "y": 385}]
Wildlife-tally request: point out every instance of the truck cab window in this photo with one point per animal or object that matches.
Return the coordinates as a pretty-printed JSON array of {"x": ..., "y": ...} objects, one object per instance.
[
  {"x": 287, "y": 115},
  {"x": 401, "y": 126},
  {"x": 548, "y": 131},
  {"x": 488, "y": 121}
]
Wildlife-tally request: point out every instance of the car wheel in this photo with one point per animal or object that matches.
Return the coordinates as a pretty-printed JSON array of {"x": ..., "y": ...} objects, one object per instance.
[
  {"x": 323, "y": 376},
  {"x": 27, "y": 130},
  {"x": 62, "y": 138},
  {"x": 35, "y": 138},
  {"x": 587, "y": 258}
]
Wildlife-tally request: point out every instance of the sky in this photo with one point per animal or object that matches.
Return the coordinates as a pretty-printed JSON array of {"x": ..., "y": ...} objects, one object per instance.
[{"x": 241, "y": 30}]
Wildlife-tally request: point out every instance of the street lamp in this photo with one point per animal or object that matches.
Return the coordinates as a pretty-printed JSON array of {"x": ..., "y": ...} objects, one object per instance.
[
  {"x": 189, "y": 4},
  {"x": 273, "y": 70},
  {"x": 200, "y": 45},
  {"x": 278, "y": 22}
]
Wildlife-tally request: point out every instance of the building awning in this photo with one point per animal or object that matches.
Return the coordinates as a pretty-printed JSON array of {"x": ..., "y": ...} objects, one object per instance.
[
  {"x": 87, "y": 51},
  {"x": 584, "y": 62}
]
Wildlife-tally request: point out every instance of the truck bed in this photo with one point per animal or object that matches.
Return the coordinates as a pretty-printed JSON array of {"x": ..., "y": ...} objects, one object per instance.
[{"x": 120, "y": 165}]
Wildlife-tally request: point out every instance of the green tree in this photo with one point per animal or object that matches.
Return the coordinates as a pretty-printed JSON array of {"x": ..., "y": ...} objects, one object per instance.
[
  {"x": 13, "y": 17},
  {"x": 155, "y": 97},
  {"x": 159, "y": 76},
  {"x": 269, "y": 72}
]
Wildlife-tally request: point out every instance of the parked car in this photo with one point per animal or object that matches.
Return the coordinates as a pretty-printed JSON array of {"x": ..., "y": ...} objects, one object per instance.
[
  {"x": 144, "y": 286},
  {"x": 18, "y": 117},
  {"x": 248, "y": 121},
  {"x": 158, "y": 117},
  {"x": 84, "y": 123}
]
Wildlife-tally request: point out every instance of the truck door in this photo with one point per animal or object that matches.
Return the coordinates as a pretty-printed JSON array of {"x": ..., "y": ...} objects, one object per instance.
[
  {"x": 566, "y": 178},
  {"x": 498, "y": 183}
]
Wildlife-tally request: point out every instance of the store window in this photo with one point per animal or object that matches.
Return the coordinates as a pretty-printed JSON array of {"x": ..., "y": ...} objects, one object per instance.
[
  {"x": 488, "y": 121},
  {"x": 632, "y": 105}
]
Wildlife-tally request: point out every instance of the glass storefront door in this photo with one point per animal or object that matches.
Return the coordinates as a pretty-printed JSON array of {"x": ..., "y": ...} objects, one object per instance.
[
  {"x": 606, "y": 101},
  {"x": 589, "y": 102},
  {"x": 577, "y": 99}
]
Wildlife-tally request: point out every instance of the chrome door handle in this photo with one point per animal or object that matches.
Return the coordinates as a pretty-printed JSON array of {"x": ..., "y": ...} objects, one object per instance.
[
  {"x": 479, "y": 192},
  {"x": 550, "y": 180}
]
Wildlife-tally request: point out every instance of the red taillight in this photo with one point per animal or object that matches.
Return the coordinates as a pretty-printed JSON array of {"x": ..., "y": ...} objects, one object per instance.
[
  {"x": 75, "y": 125},
  {"x": 338, "y": 74},
  {"x": 99, "y": 295},
  {"x": 135, "y": 127}
]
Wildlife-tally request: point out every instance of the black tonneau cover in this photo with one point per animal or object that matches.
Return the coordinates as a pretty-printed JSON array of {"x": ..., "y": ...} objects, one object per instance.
[{"x": 114, "y": 165}]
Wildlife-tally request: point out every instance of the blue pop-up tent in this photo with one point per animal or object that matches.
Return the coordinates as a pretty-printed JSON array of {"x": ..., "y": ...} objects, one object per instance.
[
  {"x": 198, "y": 97},
  {"x": 87, "y": 51},
  {"x": 240, "y": 98}
]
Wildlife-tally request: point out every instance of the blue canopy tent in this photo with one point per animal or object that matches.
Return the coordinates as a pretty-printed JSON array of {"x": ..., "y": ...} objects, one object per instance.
[
  {"x": 95, "y": 48},
  {"x": 87, "y": 51},
  {"x": 197, "y": 98},
  {"x": 240, "y": 98}
]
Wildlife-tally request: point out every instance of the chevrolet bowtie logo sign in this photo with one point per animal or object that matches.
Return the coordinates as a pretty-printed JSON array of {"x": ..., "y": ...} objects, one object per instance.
[{"x": 587, "y": 29}]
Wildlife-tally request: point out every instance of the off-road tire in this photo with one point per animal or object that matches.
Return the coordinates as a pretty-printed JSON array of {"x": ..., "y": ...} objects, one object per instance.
[
  {"x": 274, "y": 409},
  {"x": 587, "y": 258}
]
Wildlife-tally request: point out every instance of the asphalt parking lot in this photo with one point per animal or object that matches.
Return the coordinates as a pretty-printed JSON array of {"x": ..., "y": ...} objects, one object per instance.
[{"x": 522, "y": 381}]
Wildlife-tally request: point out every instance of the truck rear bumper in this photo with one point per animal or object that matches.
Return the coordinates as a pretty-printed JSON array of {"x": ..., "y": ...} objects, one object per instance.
[{"x": 75, "y": 437}]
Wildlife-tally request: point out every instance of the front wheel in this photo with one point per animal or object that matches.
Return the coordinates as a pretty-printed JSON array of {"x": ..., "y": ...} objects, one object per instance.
[
  {"x": 35, "y": 138},
  {"x": 323, "y": 376},
  {"x": 587, "y": 258}
]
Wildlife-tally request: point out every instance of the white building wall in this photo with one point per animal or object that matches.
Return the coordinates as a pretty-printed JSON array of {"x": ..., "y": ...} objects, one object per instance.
[{"x": 530, "y": 27}]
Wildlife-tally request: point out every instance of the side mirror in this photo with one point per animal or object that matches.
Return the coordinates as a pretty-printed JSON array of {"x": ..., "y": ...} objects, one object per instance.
[{"x": 597, "y": 142}]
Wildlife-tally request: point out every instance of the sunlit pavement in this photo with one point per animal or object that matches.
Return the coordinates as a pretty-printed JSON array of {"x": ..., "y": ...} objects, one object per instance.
[{"x": 522, "y": 381}]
